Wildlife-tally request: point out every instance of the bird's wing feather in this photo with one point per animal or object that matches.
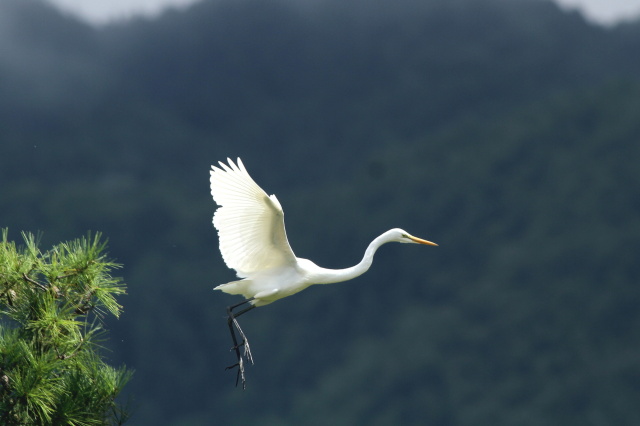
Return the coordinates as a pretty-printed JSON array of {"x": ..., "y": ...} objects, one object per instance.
[{"x": 250, "y": 223}]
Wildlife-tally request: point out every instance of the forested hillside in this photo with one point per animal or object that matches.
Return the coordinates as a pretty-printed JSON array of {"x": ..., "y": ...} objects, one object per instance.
[{"x": 507, "y": 131}]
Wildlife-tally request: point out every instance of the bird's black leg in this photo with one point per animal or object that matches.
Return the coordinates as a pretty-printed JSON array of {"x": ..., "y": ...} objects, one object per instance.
[{"x": 232, "y": 322}]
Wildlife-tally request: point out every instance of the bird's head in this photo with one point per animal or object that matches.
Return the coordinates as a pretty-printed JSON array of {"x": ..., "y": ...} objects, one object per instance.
[{"x": 402, "y": 236}]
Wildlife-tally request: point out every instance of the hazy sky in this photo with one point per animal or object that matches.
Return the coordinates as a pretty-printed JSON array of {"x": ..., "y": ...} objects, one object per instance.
[
  {"x": 605, "y": 11},
  {"x": 101, "y": 11}
]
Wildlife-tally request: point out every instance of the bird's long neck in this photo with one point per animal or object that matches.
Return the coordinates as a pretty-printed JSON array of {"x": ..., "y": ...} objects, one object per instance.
[{"x": 329, "y": 276}]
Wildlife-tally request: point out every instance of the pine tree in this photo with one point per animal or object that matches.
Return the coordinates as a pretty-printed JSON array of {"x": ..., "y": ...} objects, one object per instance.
[{"x": 52, "y": 307}]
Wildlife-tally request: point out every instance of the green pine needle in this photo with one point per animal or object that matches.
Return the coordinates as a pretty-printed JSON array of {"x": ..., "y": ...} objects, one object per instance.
[{"x": 52, "y": 305}]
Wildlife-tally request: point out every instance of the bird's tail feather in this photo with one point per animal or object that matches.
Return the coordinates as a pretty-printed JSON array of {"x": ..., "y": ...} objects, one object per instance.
[{"x": 234, "y": 287}]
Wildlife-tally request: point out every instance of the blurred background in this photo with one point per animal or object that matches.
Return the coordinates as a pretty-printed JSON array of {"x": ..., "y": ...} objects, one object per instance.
[{"x": 507, "y": 131}]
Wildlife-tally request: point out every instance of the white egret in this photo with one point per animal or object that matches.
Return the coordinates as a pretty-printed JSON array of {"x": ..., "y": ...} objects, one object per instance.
[{"x": 253, "y": 241}]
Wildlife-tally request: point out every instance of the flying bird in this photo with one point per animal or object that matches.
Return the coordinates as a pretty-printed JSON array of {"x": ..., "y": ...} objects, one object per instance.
[{"x": 253, "y": 241}]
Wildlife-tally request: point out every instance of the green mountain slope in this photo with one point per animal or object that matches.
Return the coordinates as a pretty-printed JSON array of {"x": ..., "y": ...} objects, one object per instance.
[{"x": 506, "y": 131}]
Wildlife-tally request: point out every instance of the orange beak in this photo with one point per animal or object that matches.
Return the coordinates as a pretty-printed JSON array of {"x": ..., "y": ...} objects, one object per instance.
[{"x": 421, "y": 241}]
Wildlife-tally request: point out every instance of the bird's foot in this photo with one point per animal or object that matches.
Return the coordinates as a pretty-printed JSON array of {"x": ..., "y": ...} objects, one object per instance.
[
  {"x": 241, "y": 356},
  {"x": 245, "y": 342},
  {"x": 240, "y": 375}
]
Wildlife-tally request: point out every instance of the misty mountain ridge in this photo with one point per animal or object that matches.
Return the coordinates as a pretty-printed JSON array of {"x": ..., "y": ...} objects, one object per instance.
[
  {"x": 198, "y": 62},
  {"x": 299, "y": 70}
]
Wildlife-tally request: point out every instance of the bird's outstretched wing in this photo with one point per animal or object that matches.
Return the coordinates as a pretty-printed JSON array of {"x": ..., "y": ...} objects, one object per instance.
[{"x": 250, "y": 223}]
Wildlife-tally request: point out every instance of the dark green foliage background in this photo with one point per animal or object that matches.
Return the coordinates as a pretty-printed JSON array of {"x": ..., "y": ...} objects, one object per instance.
[{"x": 507, "y": 131}]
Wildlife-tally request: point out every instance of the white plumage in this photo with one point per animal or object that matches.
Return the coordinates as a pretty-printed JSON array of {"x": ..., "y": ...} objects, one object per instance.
[
  {"x": 250, "y": 223},
  {"x": 253, "y": 241}
]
